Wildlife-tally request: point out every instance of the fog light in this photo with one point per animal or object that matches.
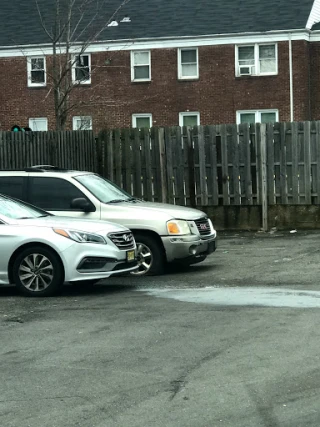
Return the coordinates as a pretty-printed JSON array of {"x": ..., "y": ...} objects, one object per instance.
[{"x": 193, "y": 250}]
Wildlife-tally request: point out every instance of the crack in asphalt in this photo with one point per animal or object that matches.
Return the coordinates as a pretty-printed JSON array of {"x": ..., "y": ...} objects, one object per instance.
[{"x": 178, "y": 384}]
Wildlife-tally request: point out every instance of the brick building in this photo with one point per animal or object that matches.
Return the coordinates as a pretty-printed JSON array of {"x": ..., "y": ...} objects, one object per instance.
[{"x": 203, "y": 62}]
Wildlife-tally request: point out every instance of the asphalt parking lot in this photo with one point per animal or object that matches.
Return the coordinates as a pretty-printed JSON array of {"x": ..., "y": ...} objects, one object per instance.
[{"x": 185, "y": 349}]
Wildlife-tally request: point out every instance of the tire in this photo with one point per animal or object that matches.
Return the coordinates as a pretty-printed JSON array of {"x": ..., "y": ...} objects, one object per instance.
[
  {"x": 33, "y": 281},
  {"x": 151, "y": 258}
]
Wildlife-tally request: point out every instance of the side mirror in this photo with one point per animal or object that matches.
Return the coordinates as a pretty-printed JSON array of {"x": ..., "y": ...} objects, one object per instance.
[{"x": 81, "y": 204}]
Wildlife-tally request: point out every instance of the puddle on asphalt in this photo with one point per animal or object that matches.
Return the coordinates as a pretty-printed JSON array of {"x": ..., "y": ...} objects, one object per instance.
[{"x": 265, "y": 297}]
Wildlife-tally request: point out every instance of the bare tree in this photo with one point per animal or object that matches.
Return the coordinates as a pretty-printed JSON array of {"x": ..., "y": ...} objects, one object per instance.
[{"x": 72, "y": 27}]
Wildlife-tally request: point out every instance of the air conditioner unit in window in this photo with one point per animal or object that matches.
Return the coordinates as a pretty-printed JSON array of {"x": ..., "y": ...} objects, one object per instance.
[{"x": 246, "y": 70}]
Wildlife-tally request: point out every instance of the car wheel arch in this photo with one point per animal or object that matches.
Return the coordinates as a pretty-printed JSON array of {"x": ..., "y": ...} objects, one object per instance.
[
  {"x": 26, "y": 246},
  {"x": 149, "y": 233}
]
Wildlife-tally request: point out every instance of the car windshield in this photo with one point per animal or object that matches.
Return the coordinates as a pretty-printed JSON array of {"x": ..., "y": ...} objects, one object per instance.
[
  {"x": 102, "y": 189},
  {"x": 16, "y": 209}
]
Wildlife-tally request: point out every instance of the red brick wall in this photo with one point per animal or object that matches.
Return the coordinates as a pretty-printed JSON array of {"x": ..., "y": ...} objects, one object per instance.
[
  {"x": 217, "y": 95},
  {"x": 315, "y": 80}
]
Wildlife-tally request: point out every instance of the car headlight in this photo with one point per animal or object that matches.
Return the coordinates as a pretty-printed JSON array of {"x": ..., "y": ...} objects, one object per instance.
[
  {"x": 178, "y": 227},
  {"x": 80, "y": 236}
]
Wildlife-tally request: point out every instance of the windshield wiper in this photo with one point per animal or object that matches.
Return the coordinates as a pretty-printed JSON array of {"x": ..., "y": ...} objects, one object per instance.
[
  {"x": 117, "y": 201},
  {"x": 34, "y": 217},
  {"x": 133, "y": 199}
]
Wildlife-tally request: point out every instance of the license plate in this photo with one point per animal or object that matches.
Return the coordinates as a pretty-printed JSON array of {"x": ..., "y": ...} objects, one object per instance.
[{"x": 131, "y": 256}]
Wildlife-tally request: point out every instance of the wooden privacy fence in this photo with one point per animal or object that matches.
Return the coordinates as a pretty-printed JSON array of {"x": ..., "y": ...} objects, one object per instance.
[
  {"x": 216, "y": 165},
  {"x": 69, "y": 149},
  {"x": 205, "y": 165}
]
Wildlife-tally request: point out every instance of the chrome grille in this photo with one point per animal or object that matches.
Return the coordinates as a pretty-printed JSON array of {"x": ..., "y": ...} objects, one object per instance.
[
  {"x": 203, "y": 226},
  {"x": 123, "y": 240}
]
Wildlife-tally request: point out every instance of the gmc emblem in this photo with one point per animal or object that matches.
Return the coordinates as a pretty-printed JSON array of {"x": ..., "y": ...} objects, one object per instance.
[{"x": 203, "y": 226}]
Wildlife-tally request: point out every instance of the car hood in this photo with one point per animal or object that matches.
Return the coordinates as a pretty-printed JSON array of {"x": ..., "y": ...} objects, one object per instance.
[
  {"x": 73, "y": 223},
  {"x": 142, "y": 209}
]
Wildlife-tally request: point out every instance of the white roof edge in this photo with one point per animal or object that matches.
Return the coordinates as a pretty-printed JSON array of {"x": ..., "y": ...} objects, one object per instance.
[
  {"x": 164, "y": 42},
  {"x": 150, "y": 39},
  {"x": 314, "y": 16}
]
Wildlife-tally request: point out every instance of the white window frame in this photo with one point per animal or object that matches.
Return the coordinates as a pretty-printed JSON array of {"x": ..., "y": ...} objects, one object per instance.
[
  {"x": 35, "y": 119},
  {"x": 256, "y": 60},
  {"x": 29, "y": 70},
  {"x": 141, "y": 116},
  {"x": 75, "y": 119},
  {"x": 257, "y": 114},
  {"x": 189, "y": 113},
  {"x": 133, "y": 65},
  {"x": 180, "y": 76},
  {"x": 74, "y": 61}
]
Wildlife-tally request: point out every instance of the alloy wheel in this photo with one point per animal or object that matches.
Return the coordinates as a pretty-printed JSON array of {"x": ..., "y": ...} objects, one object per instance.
[
  {"x": 144, "y": 258},
  {"x": 36, "y": 272}
]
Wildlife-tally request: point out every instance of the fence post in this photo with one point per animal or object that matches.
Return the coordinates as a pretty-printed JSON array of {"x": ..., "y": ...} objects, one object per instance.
[
  {"x": 263, "y": 168},
  {"x": 163, "y": 168},
  {"x": 191, "y": 167}
]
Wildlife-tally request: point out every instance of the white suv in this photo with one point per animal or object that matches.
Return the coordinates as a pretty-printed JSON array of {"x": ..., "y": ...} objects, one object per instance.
[{"x": 163, "y": 232}]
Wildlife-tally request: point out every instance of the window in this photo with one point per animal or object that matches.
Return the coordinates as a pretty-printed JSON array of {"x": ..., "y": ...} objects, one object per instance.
[
  {"x": 81, "y": 69},
  {"x": 13, "y": 186},
  {"x": 53, "y": 194},
  {"x": 40, "y": 125},
  {"x": 142, "y": 121},
  {"x": 82, "y": 123},
  {"x": 36, "y": 71},
  {"x": 188, "y": 65},
  {"x": 262, "y": 116},
  {"x": 140, "y": 65},
  {"x": 189, "y": 119},
  {"x": 256, "y": 60}
]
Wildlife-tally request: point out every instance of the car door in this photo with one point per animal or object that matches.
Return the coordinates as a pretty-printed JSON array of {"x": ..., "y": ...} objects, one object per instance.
[{"x": 55, "y": 195}]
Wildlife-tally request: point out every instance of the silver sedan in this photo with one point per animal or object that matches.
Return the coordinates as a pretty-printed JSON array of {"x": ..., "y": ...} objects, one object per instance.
[{"x": 39, "y": 251}]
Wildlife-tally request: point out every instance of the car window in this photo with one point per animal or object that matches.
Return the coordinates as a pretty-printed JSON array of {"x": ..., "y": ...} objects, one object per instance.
[
  {"x": 53, "y": 193},
  {"x": 102, "y": 189},
  {"x": 13, "y": 186}
]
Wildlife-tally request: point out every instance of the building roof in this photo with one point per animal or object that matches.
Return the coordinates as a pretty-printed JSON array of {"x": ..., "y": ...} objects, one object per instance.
[{"x": 20, "y": 21}]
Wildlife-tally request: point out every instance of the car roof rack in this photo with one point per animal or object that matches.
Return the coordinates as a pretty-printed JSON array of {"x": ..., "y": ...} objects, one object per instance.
[{"x": 45, "y": 168}]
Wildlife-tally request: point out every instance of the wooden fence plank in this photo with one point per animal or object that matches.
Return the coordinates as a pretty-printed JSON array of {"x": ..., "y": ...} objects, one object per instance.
[
  {"x": 2, "y": 156},
  {"x": 307, "y": 165},
  {"x": 235, "y": 164},
  {"x": 283, "y": 164},
  {"x": 148, "y": 166},
  {"x": 191, "y": 166},
  {"x": 270, "y": 164},
  {"x": 137, "y": 172},
  {"x": 109, "y": 155},
  {"x": 245, "y": 170},
  {"x": 263, "y": 174},
  {"x": 127, "y": 160},
  {"x": 224, "y": 164},
  {"x": 202, "y": 167},
  {"x": 295, "y": 163},
  {"x": 317, "y": 124},
  {"x": 118, "y": 157},
  {"x": 213, "y": 164},
  {"x": 178, "y": 160},
  {"x": 160, "y": 141},
  {"x": 169, "y": 158}
]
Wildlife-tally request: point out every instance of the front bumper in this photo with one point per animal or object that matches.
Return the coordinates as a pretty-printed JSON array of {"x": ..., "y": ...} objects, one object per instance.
[
  {"x": 188, "y": 248},
  {"x": 115, "y": 262}
]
